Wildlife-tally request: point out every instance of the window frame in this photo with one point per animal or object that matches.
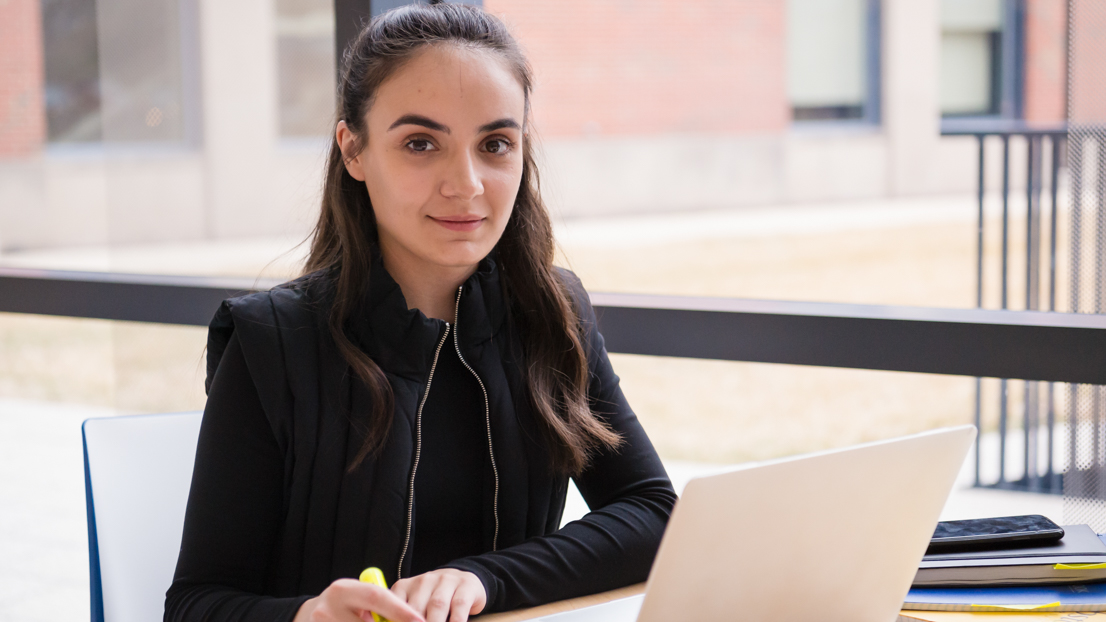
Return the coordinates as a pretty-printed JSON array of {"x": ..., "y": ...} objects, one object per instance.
[
  {"x": 871, "y": 114},
  {"x": 1009, "y": 70}
]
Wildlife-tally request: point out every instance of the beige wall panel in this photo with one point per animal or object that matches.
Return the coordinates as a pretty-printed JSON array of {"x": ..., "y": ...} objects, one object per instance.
[
  {"x": 155, "y": 197},
  {"x": 830, "y": 166},
  {"x": 911, "y": 117},
  {"x": 22, "y": 203},
  {"x": 609, "y": 175},
  {"x": 238, "y": 60}
]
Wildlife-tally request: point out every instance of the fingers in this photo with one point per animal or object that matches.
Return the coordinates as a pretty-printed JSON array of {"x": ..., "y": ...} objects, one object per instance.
[
  {"x": 461, "y": 607},
  {"x": 445, "y": 594},
  {"x": 365, "y": 598},
  {"x": 421, "y": 593},
  {"x": 441, "y": 599}
]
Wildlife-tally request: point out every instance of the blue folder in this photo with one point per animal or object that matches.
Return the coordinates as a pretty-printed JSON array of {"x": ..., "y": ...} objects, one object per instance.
[{"x": 1075, "y": 597}]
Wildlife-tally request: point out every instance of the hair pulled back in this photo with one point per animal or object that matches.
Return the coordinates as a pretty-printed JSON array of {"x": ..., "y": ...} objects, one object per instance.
[{"x": 345, "y": 241}]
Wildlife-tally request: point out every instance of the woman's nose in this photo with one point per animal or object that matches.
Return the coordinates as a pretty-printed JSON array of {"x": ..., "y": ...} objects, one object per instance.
[{"x": 462, "y": 180}]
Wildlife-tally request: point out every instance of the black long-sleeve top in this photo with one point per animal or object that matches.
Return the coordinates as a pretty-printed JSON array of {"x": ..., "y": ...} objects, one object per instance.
[{"x": 236, "y": 520}]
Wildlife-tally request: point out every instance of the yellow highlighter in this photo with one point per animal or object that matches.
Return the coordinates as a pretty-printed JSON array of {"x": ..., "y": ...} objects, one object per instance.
[{"x": 376, "y": 577}]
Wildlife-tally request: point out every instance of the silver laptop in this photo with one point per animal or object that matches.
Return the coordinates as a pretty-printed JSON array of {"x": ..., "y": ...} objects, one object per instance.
[{"x": 834, "y": 535}]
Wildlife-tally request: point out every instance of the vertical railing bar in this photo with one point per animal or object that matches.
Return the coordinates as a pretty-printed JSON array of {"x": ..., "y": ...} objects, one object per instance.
[
  {"x": 1100, "y": 224},
  {"x": 979, "y": 228},
  {"x": 1054, "y": 179},
  {"x": 1075, "y": 197},
  {"x": 1053, "y": 182},
  {"x": 1075, "y": 170},
  {"x": 1098, "y": 398},
  {"x": 978, "y": 426},
  {"x": 1003, "y": 402},
  {"x": 1026, "y": 412},
  {"x": 979, "y": 301},
  {"x": 1032, "y": 281},
  {"x": 1002, "y": 430},
  {"x": 1005, "y": 215}
]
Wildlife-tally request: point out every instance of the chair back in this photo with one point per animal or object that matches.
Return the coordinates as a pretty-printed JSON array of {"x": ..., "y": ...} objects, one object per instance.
[{"x": 137, "y": 471}]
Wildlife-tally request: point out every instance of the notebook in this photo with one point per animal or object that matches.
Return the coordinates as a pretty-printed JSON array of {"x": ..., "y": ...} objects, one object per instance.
[{"x": 1079, "y": 557}]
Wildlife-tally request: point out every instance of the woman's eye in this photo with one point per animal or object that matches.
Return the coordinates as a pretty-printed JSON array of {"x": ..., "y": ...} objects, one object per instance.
[
  {"x": 419, "y": 145},
  {"x": 497, "y": 145}
]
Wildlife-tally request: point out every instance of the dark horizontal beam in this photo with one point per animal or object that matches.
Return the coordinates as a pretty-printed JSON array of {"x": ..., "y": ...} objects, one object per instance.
[
  {"x": 1034, "y": 345},
  {"x": 128, "y": 297},
  {"x": 1057, "y": 347}
]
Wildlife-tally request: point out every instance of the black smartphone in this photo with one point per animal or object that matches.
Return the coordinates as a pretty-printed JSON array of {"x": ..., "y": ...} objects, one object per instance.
[{"x": 994, "y": 533}]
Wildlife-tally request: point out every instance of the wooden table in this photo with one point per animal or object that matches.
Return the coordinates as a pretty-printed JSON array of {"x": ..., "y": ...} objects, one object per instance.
[
  {"x": 563, "y": 605},
  {"x": 520, "y": 615}
]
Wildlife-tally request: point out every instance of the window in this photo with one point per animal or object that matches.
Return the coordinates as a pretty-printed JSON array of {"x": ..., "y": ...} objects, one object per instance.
[
  {"x": 833, "y": 59},
  {"x": 116, "y": 70},
  {"x": 978, "y": 58},
  {"x": 71, "y": 56},
  {"x": 305, "y": 66}
]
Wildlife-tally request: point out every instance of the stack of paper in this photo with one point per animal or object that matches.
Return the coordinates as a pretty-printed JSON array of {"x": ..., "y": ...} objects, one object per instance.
[{"x": 1080, "y": 557}]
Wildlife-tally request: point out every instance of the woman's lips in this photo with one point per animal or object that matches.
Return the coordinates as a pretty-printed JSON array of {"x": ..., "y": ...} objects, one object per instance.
[{"x": 459, "y": 223}]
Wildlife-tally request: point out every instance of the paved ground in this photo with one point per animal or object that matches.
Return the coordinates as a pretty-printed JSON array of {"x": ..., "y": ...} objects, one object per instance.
[{"x": 43, "y": 536}]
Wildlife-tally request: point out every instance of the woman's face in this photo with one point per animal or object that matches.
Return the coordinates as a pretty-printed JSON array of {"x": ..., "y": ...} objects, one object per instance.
[{"x": 443, "y": 160}]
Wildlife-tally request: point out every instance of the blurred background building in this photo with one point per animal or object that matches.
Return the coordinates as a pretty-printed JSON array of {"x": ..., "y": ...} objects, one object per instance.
[{"x": 125, "y": 121}]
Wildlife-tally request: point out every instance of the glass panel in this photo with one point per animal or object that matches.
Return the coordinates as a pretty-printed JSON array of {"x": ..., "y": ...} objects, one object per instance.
[
  {"x": 971, "y": 15},
  {"x": 967, "y": 72},
  {"x": 729, "y": 412},
  {"x": 826, "y": 58},
  {"x": 305, "y": 62},
  {"x": 876, "y": 253},
  {"x": 72, "y": 68},
  {"x": 124, "y": 366},
  {"x": 971, "y": 58},
  {"x": 141, "y": 70}
]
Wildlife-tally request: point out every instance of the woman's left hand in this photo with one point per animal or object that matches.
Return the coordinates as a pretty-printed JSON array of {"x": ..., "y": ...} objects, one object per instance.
[{"x": 443, "y": 594}]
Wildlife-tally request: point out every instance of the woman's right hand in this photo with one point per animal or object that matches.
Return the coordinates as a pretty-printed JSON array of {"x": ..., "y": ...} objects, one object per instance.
[{"x": 349, "y": 600}]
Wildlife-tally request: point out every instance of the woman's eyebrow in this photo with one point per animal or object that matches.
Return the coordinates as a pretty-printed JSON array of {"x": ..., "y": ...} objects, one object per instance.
[
  {"x": 416, "y": 119},
  {"x": 498, "y": 125}
]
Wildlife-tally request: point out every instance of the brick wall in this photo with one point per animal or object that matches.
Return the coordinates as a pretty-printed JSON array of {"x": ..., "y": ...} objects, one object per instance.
[
  {"x": 1045, "y": 60},
  {"x": 1088, "y": 62},
  {"x": 618, "y": 67},
  {"x": 22, "y": 109}
]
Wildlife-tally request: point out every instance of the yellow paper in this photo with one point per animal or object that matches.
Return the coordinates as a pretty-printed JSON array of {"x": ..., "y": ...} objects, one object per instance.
[
  {"x": 1017, "y": 607},
  {"x": 1079, "y": 566},
  {"x": 1020, "y": 616}
]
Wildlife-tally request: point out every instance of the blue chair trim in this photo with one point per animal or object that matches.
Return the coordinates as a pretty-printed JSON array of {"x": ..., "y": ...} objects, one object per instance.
[{"x": 96, "y": 587}]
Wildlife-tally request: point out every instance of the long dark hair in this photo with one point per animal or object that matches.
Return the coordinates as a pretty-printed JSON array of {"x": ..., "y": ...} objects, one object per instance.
[{"x": 542, "y": 309}]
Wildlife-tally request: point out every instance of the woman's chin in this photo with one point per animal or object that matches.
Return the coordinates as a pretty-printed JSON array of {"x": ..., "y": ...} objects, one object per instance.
[{"x": 461, "y": 258}]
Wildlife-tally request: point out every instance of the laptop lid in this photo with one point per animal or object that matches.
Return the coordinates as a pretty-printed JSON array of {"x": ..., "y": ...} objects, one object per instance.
[{"x": 835, "y": 535}]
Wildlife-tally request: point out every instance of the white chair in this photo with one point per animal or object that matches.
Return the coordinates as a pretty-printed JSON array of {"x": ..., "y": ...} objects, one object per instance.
[{"x": 137, "y": 474}]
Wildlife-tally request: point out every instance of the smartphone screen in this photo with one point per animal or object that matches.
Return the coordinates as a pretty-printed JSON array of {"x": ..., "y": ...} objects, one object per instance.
[{"x": 999, "y": 532}]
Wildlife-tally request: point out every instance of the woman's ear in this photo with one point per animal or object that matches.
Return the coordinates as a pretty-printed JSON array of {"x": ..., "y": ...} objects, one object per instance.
[{"x": 347, "y": 142}]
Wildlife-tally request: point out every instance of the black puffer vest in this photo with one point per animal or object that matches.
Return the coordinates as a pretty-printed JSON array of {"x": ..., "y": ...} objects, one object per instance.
[{"x": 336, "y": 518}]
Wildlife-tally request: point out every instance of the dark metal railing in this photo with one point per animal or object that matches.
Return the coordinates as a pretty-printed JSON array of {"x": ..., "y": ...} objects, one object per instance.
[
  {"x": 1037, "y": 140},
  {"x": 968, "y": 342},
  {"x": 1041, "y": 276}
]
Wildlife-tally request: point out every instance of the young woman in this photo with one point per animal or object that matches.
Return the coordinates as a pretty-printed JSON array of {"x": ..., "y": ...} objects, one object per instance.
[{"x": 418, "y": 400}]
